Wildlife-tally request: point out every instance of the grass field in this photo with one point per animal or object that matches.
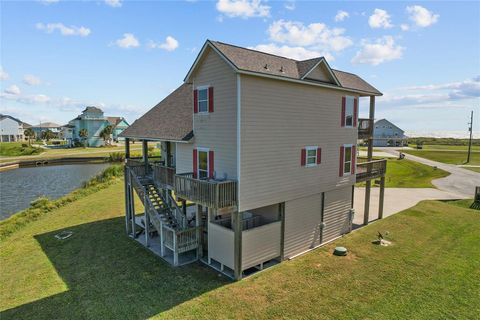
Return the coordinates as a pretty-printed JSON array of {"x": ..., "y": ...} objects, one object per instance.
[
  {"x": 428, "y": 273},
  {"x": 447, "y": 147},
  {"x": 410, "y": 174},
  {"x": 11, "y": 149},
  {"x": 451, "y": 157}
]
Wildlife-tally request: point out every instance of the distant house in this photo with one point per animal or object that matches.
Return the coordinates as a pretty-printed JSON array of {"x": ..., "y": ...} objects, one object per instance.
[
  {"x": 386, "y": 134},
  {"x": 11, "y": 129},
  {"x": 94, "y": 121},
  {"x": 44, "y": 126}
]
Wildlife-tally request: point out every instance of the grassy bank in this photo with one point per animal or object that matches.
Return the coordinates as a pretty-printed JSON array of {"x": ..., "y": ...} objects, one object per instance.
[
  {"x": 428, "y": 273},
  {"x": 43, "y": 206},
  {"x": 15, "y": 149},
  {"x": 410, "y": 174}
]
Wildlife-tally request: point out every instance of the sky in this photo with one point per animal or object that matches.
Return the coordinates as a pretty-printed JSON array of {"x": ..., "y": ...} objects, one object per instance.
[{"x": 57, "y": 57}]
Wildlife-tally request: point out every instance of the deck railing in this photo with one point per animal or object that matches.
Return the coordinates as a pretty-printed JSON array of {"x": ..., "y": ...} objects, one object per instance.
[
  {"x": 365, "y": 127},
  {"x": 211, "y": 193},
  {"x": 181, "y": 241},
  {"x": 165, "y": 176},
  {"x": 371, "y": 170}
]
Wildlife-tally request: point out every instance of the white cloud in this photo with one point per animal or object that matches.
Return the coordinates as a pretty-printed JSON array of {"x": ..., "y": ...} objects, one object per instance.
[
  {"x": 47, "y": 2},
  {"x": 128, "y": 41},
  {"x": 13, "y": 90},
  {"x": 380, "y": 51},
  {"x": 290, "y": 5},
  {"x": 380, "y": 19},
  {"x": 64, "y": 30},
  {"x": 421, "y": 16},
  {"x": 317, "y": 36},
  {"x": 297, "y": 53},
  {"x": 341, "y": 15},
  {"x": 170, "y": 44},
  {"x": 31, "y": 80},
  {"x": 243, "y": 8},
  {"x": 3, "y": 74},
  {"x": 404, "y": 27},
  {"x": 113, "y": 3}
]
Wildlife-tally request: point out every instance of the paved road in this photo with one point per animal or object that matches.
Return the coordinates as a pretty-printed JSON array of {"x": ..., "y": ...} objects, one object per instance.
[
  {"x": 461, "y": 181},
  {"x": 459, "y": 184}
]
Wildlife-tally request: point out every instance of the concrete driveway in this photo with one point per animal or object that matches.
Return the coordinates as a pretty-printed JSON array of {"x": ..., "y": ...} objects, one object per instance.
[
  {"x": 460, "y": 181},
  {"x": 460, "y": 184},
  {"x": 396, "y": 200}
]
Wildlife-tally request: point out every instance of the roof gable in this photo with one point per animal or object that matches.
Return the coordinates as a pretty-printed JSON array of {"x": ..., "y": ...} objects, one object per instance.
[
  {"x": 321, "y": 71},
  {"x": 386, "y": 122},
  {"x": 312, "y": 72}
]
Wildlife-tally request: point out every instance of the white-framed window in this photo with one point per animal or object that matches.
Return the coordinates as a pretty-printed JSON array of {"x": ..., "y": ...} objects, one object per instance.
[
  {"x": 203, "y": 99},
  {"x": 349, "y": 107},
  {"x": 203, "y": 164},
  {"x": 311, "y": 156},
  {"x": 347, "y": 159}
]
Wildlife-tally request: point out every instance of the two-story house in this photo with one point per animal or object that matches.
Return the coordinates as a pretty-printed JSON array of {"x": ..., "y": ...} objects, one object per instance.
[
  {"x": 12, "y": 129},
  {"x": 258, "y": 160},
  {"x": 386, "y": 134}
]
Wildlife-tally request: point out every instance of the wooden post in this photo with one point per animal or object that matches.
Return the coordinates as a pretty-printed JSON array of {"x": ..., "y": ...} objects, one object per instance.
[
  {"x": 322, "y": 218},
  {"x": 168, "y": 160},
  {"x": 162, "y": 238},
  {"x": 147, "y": 221},
  {"x": 281, "y": 212},
  {"x": 237, "y": 226},
  {"x": 127, "y": 148},
  {"x": 199, "y": 231},
  {"x": 368, "y": 184},
  {"x": 145, "y": 155},
  {"x": 127, "y": 199},
  {"x": 175, "y": 248},
  {"x": 132, "y": 207},
  {"x": 381, "y": 197}
]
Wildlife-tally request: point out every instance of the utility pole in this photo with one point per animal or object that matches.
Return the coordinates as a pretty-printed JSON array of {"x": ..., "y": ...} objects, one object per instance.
[{"x": 470, "y": 141}]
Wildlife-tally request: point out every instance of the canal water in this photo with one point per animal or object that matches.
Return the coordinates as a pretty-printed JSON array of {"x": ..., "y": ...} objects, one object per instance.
[{"x": 19, "y": 187}]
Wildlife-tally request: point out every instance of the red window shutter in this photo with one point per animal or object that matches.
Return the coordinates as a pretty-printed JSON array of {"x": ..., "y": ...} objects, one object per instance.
[
  {"x": 355, "y": 111},
  {"x": 342, "y": 121},
  {"x": 210, "y": 99},
  {"x": 319, "y": 155},
  {"x": 195, "y": 101},
  {"x": 195, "y": 163},
  {"x": 354, "y": 158},
  {"x": 303, "y": 158},
  {"x": 342, "y": 150},
  {"x": 211, "y": 165}
]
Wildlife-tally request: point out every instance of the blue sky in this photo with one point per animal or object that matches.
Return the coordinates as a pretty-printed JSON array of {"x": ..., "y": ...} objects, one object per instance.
[{"x": 125, "y": 56}]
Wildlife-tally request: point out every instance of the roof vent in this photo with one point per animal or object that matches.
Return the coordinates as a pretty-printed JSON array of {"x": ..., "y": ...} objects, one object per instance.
[
  {"x": 281, "y": 69},
  {"x": 265, "y": 66}
]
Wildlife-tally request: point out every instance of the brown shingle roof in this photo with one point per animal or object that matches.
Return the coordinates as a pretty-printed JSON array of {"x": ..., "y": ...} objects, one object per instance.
[
  {"x": 265, "y": 63},
  {"x": 171, "y": 119}
]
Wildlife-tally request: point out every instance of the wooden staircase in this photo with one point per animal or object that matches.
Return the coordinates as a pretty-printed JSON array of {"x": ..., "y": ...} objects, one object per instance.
[{"x": 166, "y": 217}]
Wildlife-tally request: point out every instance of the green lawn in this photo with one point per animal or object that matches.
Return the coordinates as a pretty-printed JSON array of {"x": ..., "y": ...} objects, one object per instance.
[
  {"x": 447, "y": 147},
  {"x": 410, "y": 174},
  {"x": 429, "y": 272},
  {"x": 476, "y": 169},
  {"x": 11, "y": 149},
  {"x": 451, "y": 157}
]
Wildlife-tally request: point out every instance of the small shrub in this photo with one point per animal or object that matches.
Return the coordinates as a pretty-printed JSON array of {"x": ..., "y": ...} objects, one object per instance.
[
  {"x": 116, "y": 157},
  {"x": 40, "y": 202}
]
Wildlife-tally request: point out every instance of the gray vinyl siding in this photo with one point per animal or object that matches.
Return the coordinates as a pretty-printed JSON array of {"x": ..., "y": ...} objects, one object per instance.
[
  {"x": 218, "y": 130},
  {"x": 302, "y": 224},
  {"x": 337, "y": 213},
  {"x": 183, "y": 157},
  {"x": 278, "y": 119}
]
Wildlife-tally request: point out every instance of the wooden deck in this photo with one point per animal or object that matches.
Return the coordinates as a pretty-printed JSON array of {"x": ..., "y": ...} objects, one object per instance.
[{"x": 371, "y": 170}]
